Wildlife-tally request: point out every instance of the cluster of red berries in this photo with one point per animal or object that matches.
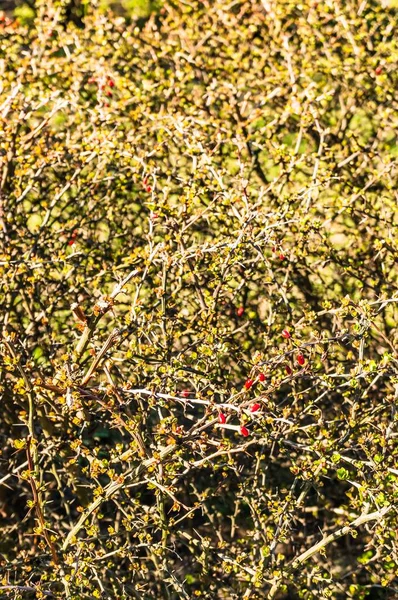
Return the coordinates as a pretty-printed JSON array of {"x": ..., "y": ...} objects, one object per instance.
[
  {"x": 147, "y": 187},
  {"x": 242, "y": 429},
  {"x": 300, "y": 357},
  {"x": 109, "y": 83},
  {"x": 73, "y": 237},
  {"x": 253, "y": 408},
  {"x": 250, "y": 382}
]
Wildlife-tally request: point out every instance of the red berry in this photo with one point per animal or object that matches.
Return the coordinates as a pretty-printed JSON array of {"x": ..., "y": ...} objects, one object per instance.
[
  {"x": 300, "y": 359},
  {"x": 282, "y": 256},
  {"x": 73, "y": 237},
  {"x": 111, "y": 83},
  {"x": 148, "y": 188},
  {"x": 185, "y": 393},
  {"x": 244, "y": 431},
  {"x": 378, "y": 70},
  {"x": 109, "y": 93},
  {"x": 255, "y": 407},
  {"x": 240, "y": 311},
  {"x": 286, "y": 334},
  {"x": 221, "y": 418},
  {"x": 248, "y": 383},
  {"x": 288, "y": 370},
  {"x": 261, "y": 377}
]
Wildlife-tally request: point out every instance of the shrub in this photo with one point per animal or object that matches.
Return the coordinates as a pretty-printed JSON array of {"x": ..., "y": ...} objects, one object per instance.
[{"x": 198, "y": 282}]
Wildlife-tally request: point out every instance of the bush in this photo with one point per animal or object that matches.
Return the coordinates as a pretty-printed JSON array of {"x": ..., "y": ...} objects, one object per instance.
[{"x": 198, "y": 282}]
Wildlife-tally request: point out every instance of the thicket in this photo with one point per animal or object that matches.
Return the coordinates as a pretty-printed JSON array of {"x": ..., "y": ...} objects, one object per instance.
[{"x": 199, "y": 370}]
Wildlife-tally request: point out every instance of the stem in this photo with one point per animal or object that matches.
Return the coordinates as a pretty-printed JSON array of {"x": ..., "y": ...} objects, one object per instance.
[
  {"x": 38, "y": 504},
  {"x": 110, "y": 491},
  {"x": 33, "y": 458},
  {"x": 361, "y": 520}
]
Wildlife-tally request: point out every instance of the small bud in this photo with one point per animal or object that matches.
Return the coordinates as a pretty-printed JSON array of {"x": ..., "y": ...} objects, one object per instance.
[
  {"x": 185, "y": 393},
  {"x": 244, "y": 431},
  {"x": 221, "y": 418},
  {"x": 282, "y": 256},
  {"x": 248, "y": 383},
  {"x": 240, "y": 311},
  {"x": 255, "y": 407},
  {"x": 73, "y": 237},
  {"x": 288, "y": 370},
  {"x": 300, "y": 359},
  {"x": 78, "y": 312},
  {"x": 286, "y": 334},
  {"x": 261, "y": 377}
]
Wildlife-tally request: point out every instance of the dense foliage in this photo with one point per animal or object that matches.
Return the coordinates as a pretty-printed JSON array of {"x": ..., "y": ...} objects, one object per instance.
[{"x": 199, "y": 369}]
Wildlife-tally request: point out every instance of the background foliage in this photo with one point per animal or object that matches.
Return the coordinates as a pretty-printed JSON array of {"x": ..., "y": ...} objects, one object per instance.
[{"x": 198, "y": 287}]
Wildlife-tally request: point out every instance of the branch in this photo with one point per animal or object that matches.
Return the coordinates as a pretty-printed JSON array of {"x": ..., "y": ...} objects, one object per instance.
[{"x": 361, "y": 520}]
